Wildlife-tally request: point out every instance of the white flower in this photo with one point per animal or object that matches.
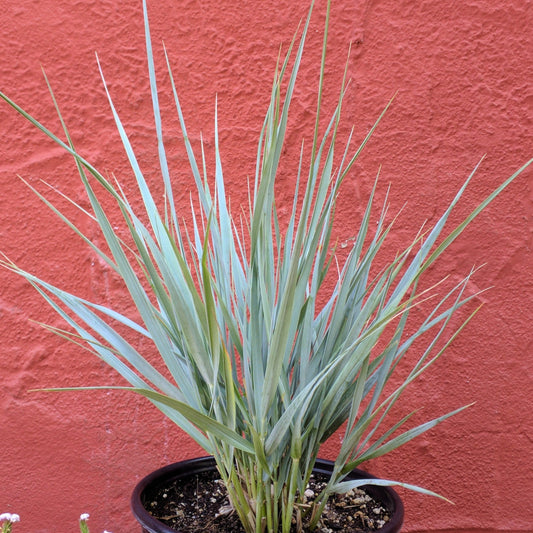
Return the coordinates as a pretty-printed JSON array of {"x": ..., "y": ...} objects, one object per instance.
[
  {"x": 107, "y": 531},
  {"x": 84, "y": 516},
  {"x": 9, "y": 517}
]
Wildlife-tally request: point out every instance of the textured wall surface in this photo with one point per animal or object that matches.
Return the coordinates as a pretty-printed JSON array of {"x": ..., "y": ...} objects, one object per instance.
[{"x": 463, "y": 72}]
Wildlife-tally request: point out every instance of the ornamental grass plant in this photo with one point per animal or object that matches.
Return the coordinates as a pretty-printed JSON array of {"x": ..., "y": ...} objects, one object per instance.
[{"x": 268, "y": 345}]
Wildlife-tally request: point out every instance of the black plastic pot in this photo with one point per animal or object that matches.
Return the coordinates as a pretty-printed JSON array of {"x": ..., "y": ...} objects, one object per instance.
[{"x": 388, "y": 497}]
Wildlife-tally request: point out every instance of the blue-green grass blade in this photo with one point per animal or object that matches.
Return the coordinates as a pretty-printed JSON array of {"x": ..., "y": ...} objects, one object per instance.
[
  {"x": 345, "y": 486},
  {"x": 169, "y": 411},
  {"x": 119, "y": 345},
  {"x": 405, "y": 437},
  {"x": 151, "y": 209},
  {"x": 203, "y": 422},
  {"x": 169, "y": 195},
  {"x": 70, "y": 224},
  {"x": 459, "y": 229}
]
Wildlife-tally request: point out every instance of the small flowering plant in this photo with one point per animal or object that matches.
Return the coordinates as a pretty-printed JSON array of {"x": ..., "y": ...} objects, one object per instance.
[
  {"x": 269, "y": 343},
  {"x": 84, "y": 528},
  {"x": 7, "y": 520}
]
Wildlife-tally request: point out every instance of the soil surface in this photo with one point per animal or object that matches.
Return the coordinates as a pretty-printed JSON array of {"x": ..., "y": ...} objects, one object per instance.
[{"x": 200, "y": 504}]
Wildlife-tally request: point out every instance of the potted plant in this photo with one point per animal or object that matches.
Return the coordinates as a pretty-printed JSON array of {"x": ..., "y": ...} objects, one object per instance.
[{"x": 267, "y": 346}]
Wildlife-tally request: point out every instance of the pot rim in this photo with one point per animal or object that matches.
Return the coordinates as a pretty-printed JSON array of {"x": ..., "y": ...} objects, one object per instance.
[{"x": 167, "y": 473}]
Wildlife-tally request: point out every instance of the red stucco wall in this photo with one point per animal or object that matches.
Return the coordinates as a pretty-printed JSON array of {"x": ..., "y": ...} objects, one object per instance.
[{"x": 463, "y": 71}]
